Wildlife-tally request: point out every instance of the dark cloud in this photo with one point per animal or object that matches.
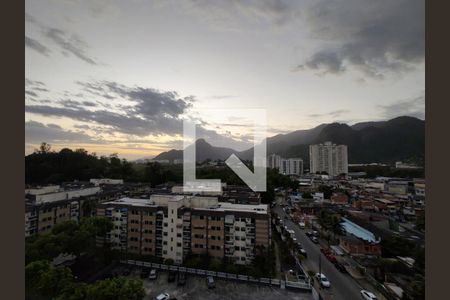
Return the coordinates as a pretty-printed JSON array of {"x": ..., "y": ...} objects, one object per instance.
[
  {"x": 36, "y": 132},
  {"x": 152, "y": 112},
  {"x": 71, "y": 43},
  {"x": 414, "y": 107},
  {"x": 68, "y": 42},
  {"x": 332, "y": 114},
  {"x": 37, "y": 46},
  {"x": 33, "y": 88},
  {"x": 374, "y": 37},
  {"x": 149, "y": 102}
]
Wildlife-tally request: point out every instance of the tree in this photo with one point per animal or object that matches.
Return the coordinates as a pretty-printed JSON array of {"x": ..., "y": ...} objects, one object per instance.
[
  {"x": 336, "y": 226},
  {"x": 47, "y": 281},
  {"x": 119, "y": 288},
  {"x": 44, "y": 148}
]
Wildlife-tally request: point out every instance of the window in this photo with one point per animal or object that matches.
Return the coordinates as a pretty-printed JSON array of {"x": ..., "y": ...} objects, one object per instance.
[
  {"x": 165, "y": 224},
  {"x": 178, "y": 244},
  {"x": 202, "y": 217}
]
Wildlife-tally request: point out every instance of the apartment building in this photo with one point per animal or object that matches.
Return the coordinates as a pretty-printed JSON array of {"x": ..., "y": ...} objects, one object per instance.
[
  {"x": 174, "y": 226},
  {"x": 273, "y": 161},
  {"x": 329, "y": 158},
  {"x": 51, "y": 205},
  {"x": 291, "y": 166}
]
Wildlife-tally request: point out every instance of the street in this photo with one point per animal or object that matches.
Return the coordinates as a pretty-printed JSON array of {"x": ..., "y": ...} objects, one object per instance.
[{"x": 343, "y": 287}]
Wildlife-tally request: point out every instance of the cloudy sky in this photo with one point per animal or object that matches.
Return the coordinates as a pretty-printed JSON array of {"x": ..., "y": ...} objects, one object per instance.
[{"x": 121, "y": 76}]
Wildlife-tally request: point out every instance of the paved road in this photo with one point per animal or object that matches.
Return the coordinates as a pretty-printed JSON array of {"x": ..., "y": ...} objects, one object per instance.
[{"x": 343, "y": 287}]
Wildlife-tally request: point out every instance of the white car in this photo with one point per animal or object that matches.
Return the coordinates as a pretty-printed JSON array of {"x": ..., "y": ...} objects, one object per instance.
[
  {"x": 302, "y": 225},
  {"x": 323, "y": 280},
  {"x": 368, "y": 295},
  {"x": 163, "y": 296}
]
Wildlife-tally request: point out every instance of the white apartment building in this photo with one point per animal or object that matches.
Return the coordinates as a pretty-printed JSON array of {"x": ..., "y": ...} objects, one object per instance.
[
  {"x": 273, "y": 161},
  {"x": 291, "y": 166},
  {"x": 328, "y": 157}
]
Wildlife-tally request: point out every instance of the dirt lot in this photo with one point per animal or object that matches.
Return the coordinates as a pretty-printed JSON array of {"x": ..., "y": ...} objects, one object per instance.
[{"x": 196, "y": 288}]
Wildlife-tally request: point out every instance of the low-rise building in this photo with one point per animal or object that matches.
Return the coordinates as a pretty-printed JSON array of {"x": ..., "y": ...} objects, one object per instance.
[{"x": 51, "y": 205}]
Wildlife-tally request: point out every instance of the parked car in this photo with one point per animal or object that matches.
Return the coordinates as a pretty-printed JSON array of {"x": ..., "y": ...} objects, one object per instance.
[
  {"x": 303, "y": 252},
  {"x": 153, "y": 274},
  {"x": 210, "y": 282},
  {"x": 302, "y": 225},
  {"x": 314, "y": 240},
  {"x": 181, "y": 278},
  {"x": 308, "y": 233},
  {"x": 145, "y": 272},
  {"x": 331, "y": 258},
  {"x": 324, "y": 251},
  {"x": 126, "y": 272},
  {"x": 340, "y": 267},
  {"x": 323, "y": 280},
  {"x": 315, "y": 233},
  {"x": 163, "y": 296},
  {"x": 368, "y": 295},
  {"x": 172, "y": 276}
]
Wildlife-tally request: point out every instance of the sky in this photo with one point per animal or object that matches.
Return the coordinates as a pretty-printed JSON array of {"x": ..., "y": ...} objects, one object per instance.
[{"x": 121, "y": 76}]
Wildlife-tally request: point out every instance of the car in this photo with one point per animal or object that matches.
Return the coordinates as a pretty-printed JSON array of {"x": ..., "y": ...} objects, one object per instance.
[
  {"x": 315, "y": 233},
  {"x": 172, "y": 276},
  {"x": 302, "y": 225},
  {"x": 303, "y": 252},
  {"x": 308, "y": 233},
  {"x": 323, "y": 280},
  {"x": 145, "y": 272},
  {"x": 331, "y": 258},
  {"x": 163, "y": 296},
  {"x": 126, "y": 272},
  {"x": 153, "y": 274},
  {"x": 314, "y": 240},
  {"x": 368, "y": 295},
  {"x": 210, "y": 282},
  {"x": 324, "y": 251},
  {"x": 181, "y": 278},
  {"x": 294, "y": 240},
  {"x": 340, "y": 267}
]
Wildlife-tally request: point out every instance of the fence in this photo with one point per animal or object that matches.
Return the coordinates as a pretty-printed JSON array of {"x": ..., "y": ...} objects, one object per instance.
[{"x": 245, "y": 278}]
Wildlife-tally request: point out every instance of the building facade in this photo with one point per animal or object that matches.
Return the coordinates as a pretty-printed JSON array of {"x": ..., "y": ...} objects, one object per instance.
[
  {"x": 289, "y": 166},
  {"x": 174, "y": 226},
  {"x": 47, "y": 206},
  {"x": 329, "y": 158}
]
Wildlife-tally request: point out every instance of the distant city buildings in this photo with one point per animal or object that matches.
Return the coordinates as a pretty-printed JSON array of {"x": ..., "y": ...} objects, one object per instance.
[
  {"x": 173, "y": 226},
  {"x": 289, "y": 166},
  {"x": 329, "y": 158}
]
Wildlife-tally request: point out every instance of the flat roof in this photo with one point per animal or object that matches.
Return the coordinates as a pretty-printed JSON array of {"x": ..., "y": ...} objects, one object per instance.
[
  {"x": 132, "y": 202},
  {"x": 226, "y": 206}
]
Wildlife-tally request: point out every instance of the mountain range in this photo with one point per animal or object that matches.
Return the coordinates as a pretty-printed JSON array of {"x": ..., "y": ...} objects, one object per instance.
[{"x": 401, "y": 138}]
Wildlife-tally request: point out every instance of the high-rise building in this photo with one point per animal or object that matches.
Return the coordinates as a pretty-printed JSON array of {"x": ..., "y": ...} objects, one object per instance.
[
  {"x": 173, "y": 226},
  {"x": 329, "y": 158},
  {"x": 291, "y": 166},
  {"x": 273, "y": 161}
]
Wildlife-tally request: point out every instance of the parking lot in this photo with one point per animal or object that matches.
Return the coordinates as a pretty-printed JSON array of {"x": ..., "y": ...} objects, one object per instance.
[{"x": 196, "y": 288}]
